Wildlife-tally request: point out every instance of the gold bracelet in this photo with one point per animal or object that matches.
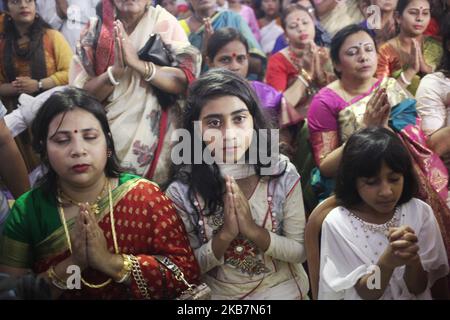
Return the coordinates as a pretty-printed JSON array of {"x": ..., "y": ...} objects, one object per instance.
[
  {"x": 139, "y": 278},
  {"x": 56, "y": 281},
  {"x": 152, "y": 73},
  {"x": 147, "y": 70},
  {"x": 125, "y": 273},
  {"x": 306, "y": 76}
]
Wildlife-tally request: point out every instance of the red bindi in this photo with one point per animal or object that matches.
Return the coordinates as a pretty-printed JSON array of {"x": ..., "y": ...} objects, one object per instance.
[
  {"x": 75, "y": 131},
  {"x": 234, "y": 55}
]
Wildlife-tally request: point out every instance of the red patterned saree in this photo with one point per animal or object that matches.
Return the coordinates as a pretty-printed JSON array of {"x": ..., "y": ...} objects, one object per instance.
[{"x": 146, "y": 224}]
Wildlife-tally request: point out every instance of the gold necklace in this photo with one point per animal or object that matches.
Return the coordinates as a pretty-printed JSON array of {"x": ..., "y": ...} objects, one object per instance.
[
  {"x": 94, "y": 206},
  {"x": 113, "y": 231}
]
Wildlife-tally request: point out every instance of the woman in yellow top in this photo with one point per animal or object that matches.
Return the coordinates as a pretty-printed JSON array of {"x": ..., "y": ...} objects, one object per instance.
[
  {"x": 33, "y": 58},
  {"x": 410, "y": 55}
]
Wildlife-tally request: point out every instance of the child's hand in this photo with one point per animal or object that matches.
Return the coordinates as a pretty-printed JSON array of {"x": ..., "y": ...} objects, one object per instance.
[
  {"x": 403, "y": 241},
  {"x": 395, "y": 255},
  {"x": 403, "y": 232}
]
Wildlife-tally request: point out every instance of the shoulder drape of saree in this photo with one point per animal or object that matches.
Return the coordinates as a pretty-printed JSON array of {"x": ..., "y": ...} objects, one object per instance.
[{"x": 55, "y": 245}]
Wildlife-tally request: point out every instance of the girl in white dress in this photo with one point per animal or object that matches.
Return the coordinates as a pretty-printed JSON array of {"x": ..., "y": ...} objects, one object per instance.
[{"x": 381, "y": 242}]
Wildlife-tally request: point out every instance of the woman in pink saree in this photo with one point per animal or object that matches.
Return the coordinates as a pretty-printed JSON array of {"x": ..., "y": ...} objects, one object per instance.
[{"x": 357, "y": 100}]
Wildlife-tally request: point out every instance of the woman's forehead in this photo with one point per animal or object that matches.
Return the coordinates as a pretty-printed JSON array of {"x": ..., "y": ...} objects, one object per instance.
[
  {"x": 75, "y": 119},
  {"x": 357, "y": 39}
]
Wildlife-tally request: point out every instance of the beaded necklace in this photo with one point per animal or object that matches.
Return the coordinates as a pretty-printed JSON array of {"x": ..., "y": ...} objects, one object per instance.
[{"x": 381, "y": 228}]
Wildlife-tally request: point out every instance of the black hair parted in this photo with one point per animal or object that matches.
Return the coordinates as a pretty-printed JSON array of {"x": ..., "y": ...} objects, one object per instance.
[
  {"x": 220, "y": 38},
  {"x": 63, "y": 102},
  {"x": 363, "y": 156},
  {"x": 205, "y": 179},
  {"x": 339, "y": 38}
]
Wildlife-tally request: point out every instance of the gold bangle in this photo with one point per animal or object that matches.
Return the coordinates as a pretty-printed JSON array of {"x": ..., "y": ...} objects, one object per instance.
[
  {"x": 147, "y": 70},
  {"x": 56, "y": 281},
  {"x": 152, "y": 73},
  {"x": 306, "y": 76},
  {"x": 125, "y": 273}
]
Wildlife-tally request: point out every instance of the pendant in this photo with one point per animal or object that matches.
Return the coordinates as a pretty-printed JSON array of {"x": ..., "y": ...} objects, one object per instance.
[{"x": 95, "y": 209}]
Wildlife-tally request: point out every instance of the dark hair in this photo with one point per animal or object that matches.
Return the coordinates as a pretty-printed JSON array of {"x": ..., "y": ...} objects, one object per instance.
[
  {"x": 259, "y": 12},
  {"x": 291, "y": 8},
  {"x": 339, "y": 39},
  {"x": 444, "y": 65},
  {"x": 203, "y": 178},
  {"x": 220, "y": 38},
  {"x": 363, "y": 155},
  {"x": 34, "y": 53},
  {"x": 63, "y": 102},
  {"x": 439, "y": 10},
  {"x": 402, "y": 4}
]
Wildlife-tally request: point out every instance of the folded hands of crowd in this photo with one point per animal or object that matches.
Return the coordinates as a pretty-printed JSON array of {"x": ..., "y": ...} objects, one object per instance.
[{"x": 267, "y": 149}]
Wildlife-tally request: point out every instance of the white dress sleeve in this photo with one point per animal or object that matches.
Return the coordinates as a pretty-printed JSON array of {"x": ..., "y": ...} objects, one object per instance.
[
  {"x": 3, "y": 110},
  {"x": 431, "y": 104},
  {"x": 340, "y": 270},
  {"x": 202, "y": 251},
  {"x": 431, "y": 245},
  {"x": 289, "y": 246}
]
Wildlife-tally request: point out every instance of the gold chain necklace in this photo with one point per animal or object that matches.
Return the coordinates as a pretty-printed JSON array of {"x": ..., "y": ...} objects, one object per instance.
[
  {"x": 94, "y": 207},
  {"x": 113, "y": 231}
]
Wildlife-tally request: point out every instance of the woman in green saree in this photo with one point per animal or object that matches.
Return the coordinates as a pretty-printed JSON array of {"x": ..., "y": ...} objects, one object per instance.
[{"x": 88, "y": 217}]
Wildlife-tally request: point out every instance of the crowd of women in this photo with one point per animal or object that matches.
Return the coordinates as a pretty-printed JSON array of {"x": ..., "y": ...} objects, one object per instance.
[{"x": 349, "y": 100}]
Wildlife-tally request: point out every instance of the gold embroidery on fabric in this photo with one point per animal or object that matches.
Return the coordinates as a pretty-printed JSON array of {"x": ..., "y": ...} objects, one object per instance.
[
  {"x": 438, "y": 179},
  {"x": 15, "y": 253},
  {"x": 242, "y": 253},
  {"x": 329, "y": 143}
]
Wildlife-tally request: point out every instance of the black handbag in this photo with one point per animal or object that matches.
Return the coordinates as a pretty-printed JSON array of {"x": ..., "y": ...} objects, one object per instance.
[{"x": 156, "y": 51}]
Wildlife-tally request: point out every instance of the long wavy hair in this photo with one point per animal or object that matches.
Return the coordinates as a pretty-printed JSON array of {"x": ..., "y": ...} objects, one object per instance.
[
  {"x": 34, "y": 53},
  {"x": 205, "y": 179}
]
